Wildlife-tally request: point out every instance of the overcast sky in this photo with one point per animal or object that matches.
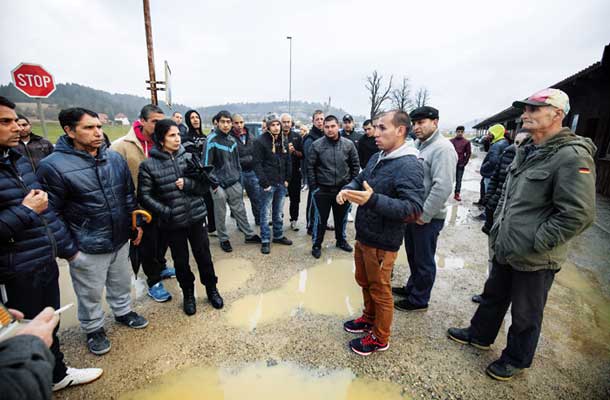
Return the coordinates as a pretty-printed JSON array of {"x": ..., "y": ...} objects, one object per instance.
[{"x": 475, "y": 57}]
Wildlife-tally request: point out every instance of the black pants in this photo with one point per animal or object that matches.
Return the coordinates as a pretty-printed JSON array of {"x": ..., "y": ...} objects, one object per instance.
[
  {"x": 420, "y": 245},
  {"x": 197, "y": 235},
  {"x": 323, "y": 201},
  {"x": 459, "y": 173},
  {"x": 209, "y": 205},
  {"x": 527, "y": 291},
  {"x": 482, "y": 191},
  {"x": 294, "y": 192},
  {"x": 152, "y": 253},
  {"x": 30, "y": 294}
]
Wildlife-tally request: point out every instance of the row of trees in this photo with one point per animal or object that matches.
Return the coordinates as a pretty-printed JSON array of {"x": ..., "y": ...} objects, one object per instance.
[{"x": 400, "y": 97}]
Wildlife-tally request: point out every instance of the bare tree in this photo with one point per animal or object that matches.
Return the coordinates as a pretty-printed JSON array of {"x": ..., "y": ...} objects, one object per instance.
[
  {"x": 401, "y": 97},
  {"x": 422, "y": 97},
  {"x": 377, "y": 94}
]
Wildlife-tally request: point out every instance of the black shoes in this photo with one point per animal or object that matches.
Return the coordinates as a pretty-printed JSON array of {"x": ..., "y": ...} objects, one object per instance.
[
  {"x": 226, "y": 246},
  {"x": 316, "y": 251},
  {"x": 214, "y": 298},
  {"x": 477, "y": 298},
  {"x": 265, "y": 248},
  {"x": 502, "y": 371},
  {"x": 406, "y": 305},
  {"x": 98, "y": 342},
  {"x": 400, "y": 291},
  {"x": 132, "y": 320},
  {"x": 367, "y": 345},
  {"x": 283, "y": 240},
  {"x": 462, "y": 335},
  {"x": 344, "y": 246},
  {"x": 253, "y": 239},
  {"x": 358, "y": 325},
  {"x": 189, "y": 305}
]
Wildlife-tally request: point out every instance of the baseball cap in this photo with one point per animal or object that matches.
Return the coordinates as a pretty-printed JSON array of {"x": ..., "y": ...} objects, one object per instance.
[
  {"x": 546, "y": 97},
  {"x": 423, "y": 113},
  {"x": 348, "y": 117}
]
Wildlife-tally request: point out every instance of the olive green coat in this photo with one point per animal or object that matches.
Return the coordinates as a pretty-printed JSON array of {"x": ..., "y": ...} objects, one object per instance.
[{"x": 547, "y": 199}]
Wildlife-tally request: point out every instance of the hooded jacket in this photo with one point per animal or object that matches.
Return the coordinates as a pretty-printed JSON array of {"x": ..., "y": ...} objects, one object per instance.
[
  {"x": 93, "y": 195},
  {"x": 132, "y": 149},
  {"x": 221, "y": 153},
  {"x": 548, "y": 198},
  {"x": 332, "y": 164},
  {"x": 366, "y": 148},
  {"x": 193, "y": 140},
  {"x": 439, "y": 161},
  {"x": 271, "y": 160},
  {"x": 158, "y": 193},
  {"x": 397, "y": 180},
  {"x": 35, "y": 150},
  {"x": 28, "y": 241},
  {"x": 313, "y": 135}
]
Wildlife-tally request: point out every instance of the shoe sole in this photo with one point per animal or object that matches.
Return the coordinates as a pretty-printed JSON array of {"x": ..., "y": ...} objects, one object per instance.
[
  {"x": 345, "y": 250},
  {"x": 71, "y": 384},
  {"x": 159, "y": 300},
  {"x": 99, "y": 353},
  {"x": 475, "y": 345},
  {"x": 361, "y": 353},
  {"x": 500, "y": 378},
  {"x": 410, "y": 310},
  {"x": 356, "y": 330}
]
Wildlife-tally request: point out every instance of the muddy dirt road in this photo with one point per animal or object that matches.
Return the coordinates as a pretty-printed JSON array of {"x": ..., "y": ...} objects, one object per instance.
[{"x": 280, "y": 334}]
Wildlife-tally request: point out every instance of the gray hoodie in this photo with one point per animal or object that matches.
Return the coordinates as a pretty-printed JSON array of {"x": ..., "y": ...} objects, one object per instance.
[{"x": 439, "y": 159}]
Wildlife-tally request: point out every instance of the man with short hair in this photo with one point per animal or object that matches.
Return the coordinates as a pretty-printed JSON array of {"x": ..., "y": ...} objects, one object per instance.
[
  {"x": 272, "y": 166},
  {"x": 316, "y": 132},
  {"x": 245, "y": 149},
  {"x": 91, "y": 188},
  {"x": 177, "y": 118},
  {"x": 388, "y": 191},
  {"x": 295, "y": 149},
  {"x": 32, "y": 146},
  {"x": 134, "y": 147},
  {"x": 221, "y": 153},
  {"x": 463, "y": 150},
  {"x": 31, "y": 237},
  {"x": 366, "y": 145},
  {"x": 439, "y": 160},
  {"x": 331, "y": 164},
  {"x": 348, "y": 130},
  {"x": 548, "y": 199}
]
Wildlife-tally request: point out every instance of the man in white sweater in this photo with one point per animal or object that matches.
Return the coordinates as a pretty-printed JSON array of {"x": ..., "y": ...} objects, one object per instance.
[{"x": 439, "y": 159}]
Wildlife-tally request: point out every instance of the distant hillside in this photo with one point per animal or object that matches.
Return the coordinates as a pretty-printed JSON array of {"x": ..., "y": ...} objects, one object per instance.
[{"x": 72, "y": 94}]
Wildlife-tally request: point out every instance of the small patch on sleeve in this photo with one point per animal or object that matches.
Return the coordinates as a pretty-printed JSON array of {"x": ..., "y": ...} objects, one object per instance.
[{"x": 584, "y": 171}]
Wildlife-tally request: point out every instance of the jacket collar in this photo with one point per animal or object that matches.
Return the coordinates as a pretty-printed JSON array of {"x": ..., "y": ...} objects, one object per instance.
[
  {"x": 433, "y": 138},
  {"x": 66, "y": 145}
]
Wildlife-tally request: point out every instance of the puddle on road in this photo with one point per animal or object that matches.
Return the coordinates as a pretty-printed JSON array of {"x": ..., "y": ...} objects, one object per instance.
[
  {"x": 328, "y": 288},
  {"x": 265, "y": 381},
  {"x": 233, "y": 273},
  {"x": 457, "y": 215}
]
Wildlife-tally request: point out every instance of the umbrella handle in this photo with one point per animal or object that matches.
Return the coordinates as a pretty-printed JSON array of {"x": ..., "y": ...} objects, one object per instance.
[{"x": 145, "y": 214}]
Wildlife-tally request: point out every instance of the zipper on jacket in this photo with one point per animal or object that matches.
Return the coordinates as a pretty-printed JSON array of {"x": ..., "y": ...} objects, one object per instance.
[
  {"x": 187, "y": 203},
  {"x": 30, "y": 159}
]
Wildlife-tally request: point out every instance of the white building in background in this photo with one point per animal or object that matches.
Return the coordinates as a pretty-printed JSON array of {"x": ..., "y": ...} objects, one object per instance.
[{"x": 121, "y": 118}]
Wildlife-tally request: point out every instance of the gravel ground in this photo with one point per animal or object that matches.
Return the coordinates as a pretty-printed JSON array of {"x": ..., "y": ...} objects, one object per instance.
[{"x": 572, "y": 359}]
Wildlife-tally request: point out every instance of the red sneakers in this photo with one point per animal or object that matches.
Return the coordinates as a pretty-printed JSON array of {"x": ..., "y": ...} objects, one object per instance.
[
  {"x": 457, "y": 197},
  {"x": 359, "y": 325},
  {"x": 367, "y": 345}
]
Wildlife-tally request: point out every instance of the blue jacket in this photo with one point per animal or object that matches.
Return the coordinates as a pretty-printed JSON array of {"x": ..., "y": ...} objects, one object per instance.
[
  {"x": 221, "y": 153},
  {"x": 397, "y": 181},
  {"x": 492, "y": 159},
  {"x": 94, "y": 195},
  {"x": 28, "y": 241}
]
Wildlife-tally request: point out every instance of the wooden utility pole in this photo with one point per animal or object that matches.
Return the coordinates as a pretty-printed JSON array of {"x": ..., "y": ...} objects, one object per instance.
[{"x": 151, "y": 57}]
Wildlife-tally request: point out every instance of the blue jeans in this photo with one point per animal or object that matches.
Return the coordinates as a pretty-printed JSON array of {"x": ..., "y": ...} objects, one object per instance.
[
  {"x": 420, "y": 245},
  {"x": 253, "y": 189},
  {"x": 274, "y": 198}
]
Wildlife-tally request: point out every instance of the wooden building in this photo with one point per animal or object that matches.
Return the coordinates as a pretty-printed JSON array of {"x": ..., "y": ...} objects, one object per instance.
[{"x": 589, "y": 116}]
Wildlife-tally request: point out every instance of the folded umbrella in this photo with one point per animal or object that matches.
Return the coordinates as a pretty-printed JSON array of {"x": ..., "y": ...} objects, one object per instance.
[{"x": 134, "y": 251}]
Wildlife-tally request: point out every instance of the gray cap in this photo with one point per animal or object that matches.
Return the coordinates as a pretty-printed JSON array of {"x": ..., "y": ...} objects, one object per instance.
[{"x": 272, "y": 117}]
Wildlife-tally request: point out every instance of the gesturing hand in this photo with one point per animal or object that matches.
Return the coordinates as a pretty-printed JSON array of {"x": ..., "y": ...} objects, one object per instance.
[{"x": 359, "y": 197}]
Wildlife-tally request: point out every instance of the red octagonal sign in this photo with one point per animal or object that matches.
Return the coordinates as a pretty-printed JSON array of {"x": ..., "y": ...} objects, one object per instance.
[{"x": 33, "y": 80}]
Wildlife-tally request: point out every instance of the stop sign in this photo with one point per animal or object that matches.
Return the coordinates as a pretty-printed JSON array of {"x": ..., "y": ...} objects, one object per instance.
[{"x": 33, "y": 80}]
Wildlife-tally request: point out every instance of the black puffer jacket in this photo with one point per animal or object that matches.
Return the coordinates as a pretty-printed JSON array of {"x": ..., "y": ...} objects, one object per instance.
[
  {"x": 271, "y": 167},
  {"x": 492, "y": 159},
  {"x": 94, "y": 195},
  {"x": 158, "y": 193},
  {"x": 28, "y": 241},
  {"x": 35, "y": 150},
  {"x": 245, "y": 151},
  {"x": 494, "y": 190},
  {"x": 332, "y": 163},
  {"x": 398, "y": 184}
]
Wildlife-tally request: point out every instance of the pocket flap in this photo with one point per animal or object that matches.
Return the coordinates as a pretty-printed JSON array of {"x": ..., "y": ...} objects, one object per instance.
[{"x": 537, "y": 175}]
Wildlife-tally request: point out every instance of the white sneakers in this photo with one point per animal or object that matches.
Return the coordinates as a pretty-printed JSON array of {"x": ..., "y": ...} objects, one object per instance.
[
  {"x": 293, "y": 225},
  {"x": 78, "y": 377}
]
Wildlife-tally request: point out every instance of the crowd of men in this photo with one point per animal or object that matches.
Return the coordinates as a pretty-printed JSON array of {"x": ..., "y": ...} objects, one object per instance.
[{"x": 75, "y": 201}]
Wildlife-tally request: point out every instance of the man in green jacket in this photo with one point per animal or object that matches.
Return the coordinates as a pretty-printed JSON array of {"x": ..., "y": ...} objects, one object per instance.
[{"x": 548, "y": 198}]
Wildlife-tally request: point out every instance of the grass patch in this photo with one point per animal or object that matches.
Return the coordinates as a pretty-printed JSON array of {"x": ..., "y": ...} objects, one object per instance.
[{"x": 55, "y": 131}]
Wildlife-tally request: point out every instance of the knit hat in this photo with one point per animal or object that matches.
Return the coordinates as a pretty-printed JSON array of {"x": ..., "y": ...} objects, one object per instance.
[{"x": 271, "y": 117}]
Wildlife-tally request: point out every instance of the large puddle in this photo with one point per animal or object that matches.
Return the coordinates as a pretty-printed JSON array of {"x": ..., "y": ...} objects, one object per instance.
[
  {"x": 266, "y": 381},
  {"x": 233, "y": 273},
  {"x": 328, "y": 288}
]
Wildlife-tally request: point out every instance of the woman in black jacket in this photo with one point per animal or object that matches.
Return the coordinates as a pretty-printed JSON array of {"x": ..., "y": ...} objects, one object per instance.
[{"x": 176, "y": 203}]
